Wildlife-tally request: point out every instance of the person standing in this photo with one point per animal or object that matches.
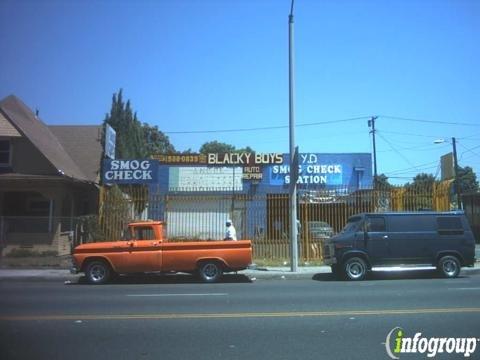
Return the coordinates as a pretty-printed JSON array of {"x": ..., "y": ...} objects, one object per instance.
[{"x": 231, "y": 233}]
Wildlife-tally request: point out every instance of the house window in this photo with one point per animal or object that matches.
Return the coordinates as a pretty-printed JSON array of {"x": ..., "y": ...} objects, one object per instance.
[
  {"x": 5, "y": 152},
  {"x": 38, "y": 205}
]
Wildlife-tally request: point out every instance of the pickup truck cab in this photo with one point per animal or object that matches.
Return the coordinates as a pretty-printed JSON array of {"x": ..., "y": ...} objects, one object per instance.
[
  {"x": 147, "y": 249},
  {"x": 384, "y": 241}
]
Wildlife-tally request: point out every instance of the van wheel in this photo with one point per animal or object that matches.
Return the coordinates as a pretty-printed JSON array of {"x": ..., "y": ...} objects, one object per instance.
[
  {"x": 355, "y": 269},
  {"x": 98, "y": 272},
  {"x": 210, "y": 271},
  {"x": 449, "y": 266}
]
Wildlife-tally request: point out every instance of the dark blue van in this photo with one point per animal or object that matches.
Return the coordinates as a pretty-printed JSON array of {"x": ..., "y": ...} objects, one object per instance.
[{"x": 369, "y": 240}]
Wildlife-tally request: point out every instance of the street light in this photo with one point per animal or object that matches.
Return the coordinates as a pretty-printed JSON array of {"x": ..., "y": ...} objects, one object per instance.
[{"x": 455, "y": 168}]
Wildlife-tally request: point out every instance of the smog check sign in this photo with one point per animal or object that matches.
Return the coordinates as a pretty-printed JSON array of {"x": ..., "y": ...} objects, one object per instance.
[{"x": 141, "y": 171}]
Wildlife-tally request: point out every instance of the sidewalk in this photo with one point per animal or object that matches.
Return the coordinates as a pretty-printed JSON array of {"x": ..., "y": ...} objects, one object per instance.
[{"x": 264, "y": 273}]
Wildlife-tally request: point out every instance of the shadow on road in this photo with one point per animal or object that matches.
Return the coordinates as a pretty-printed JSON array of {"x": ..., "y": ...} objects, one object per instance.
[
  {"x": 142, "y": 279},
  {"x": 388, "y": 275}
]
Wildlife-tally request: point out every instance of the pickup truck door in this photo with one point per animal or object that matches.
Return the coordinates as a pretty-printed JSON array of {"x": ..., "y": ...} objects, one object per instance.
[{"x": 141, "y": 254}]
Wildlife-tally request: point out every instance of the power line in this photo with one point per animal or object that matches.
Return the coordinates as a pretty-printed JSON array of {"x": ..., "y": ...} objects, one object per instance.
[
  {"x": 469, "y": 150},
  {"x": 469, "y": 137},
  {"x": 418, "y": 167},
  {"x": 410, "y": 134},
  {"x": 439, "y": 168},
  {"x": 327, "y": 122},
  {"x": 413, "y": 172},
  {"x": 393, "y": 148},
  {"x": 421, "y": 168},
  {"x": 419, "y": 148},
  {"x": 428, "y": 121},
  {"x": 400, "y": 177},
  {"x": 267, "y": 127}
]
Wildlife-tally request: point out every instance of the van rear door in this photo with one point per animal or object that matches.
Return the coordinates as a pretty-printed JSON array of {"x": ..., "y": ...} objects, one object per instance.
[{"x": 454, "y": 235}]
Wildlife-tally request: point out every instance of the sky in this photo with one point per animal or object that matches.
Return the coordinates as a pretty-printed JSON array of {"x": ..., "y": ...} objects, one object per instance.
[{"x": 196, "y": 68}]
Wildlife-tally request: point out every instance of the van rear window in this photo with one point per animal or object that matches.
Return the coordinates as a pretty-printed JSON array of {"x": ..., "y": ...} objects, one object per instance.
[{"x": 449, "y": 223}]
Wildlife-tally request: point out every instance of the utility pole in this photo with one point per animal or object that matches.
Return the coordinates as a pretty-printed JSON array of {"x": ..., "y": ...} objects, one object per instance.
[
  {"x": 293, "y": 170},
  {"x": 233, "y": 194},
  {"x": 455, "y": 168},
  {"x": 371, "y": 123}
]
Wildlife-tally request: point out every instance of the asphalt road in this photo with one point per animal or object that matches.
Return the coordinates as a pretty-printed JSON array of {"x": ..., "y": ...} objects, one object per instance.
[{"x": 178, "y": 318}]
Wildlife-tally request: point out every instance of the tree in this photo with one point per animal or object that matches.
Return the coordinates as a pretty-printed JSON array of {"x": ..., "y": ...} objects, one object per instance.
[
  {"x": 221, "y": 148},
  {"x": 381, "y": 182},
  {"x": 419, "y": 194},
  {"x": 216, "y": 147},
  {"x": 130, "y": 142},
  {"x": 156, "y": 142},
  {"x": 134, "y": 139},
  {"x": 468, "y": 180},
  {"x": 422, "y": 181},
  {"x": 247, "y": 149}
]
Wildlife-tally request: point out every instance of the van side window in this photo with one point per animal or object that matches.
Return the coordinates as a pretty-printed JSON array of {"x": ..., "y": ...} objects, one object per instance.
[
  {"x": 411, "y": 223},
  {"x": 449, "y": 225},
  {"x": 376, "y": 224}
]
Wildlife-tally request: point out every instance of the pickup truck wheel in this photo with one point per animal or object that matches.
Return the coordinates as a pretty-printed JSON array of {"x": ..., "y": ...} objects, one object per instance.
[
  {"x": 98, "y": 272},
  {"x": 449, "y": 266},
  {"x": 210, "y": 271},
  {"x": 355, "y": 269}
]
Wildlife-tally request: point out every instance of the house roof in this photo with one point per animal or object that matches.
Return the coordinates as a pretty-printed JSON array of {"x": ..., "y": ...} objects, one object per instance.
[
  {"x": 6, "y": 128},
  {"x": 83, "y": 144},
  {"x": 40, "y": 136}
]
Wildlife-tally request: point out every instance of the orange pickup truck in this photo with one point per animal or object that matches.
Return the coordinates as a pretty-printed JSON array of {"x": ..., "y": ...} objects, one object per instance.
[{"x": 148, "y": 250}]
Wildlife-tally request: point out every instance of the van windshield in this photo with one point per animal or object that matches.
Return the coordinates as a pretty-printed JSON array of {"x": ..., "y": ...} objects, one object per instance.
[{"x": 353, "y": 224}]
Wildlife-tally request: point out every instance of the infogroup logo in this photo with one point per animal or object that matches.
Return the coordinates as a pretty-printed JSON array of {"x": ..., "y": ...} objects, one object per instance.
[{"x": 397, "y": 343}]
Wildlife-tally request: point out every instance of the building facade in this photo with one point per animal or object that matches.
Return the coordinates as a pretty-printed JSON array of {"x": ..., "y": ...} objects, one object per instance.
[
  {"x": 48, "y": 177},
  {"x": 196, "y": 193}
]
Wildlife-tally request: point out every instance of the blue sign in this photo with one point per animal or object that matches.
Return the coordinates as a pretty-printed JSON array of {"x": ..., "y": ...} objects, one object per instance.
[
  {"x": 142, "y": 171},
  {"x": 324, "y": 174},
  {"x": 324, "y": 169}
]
